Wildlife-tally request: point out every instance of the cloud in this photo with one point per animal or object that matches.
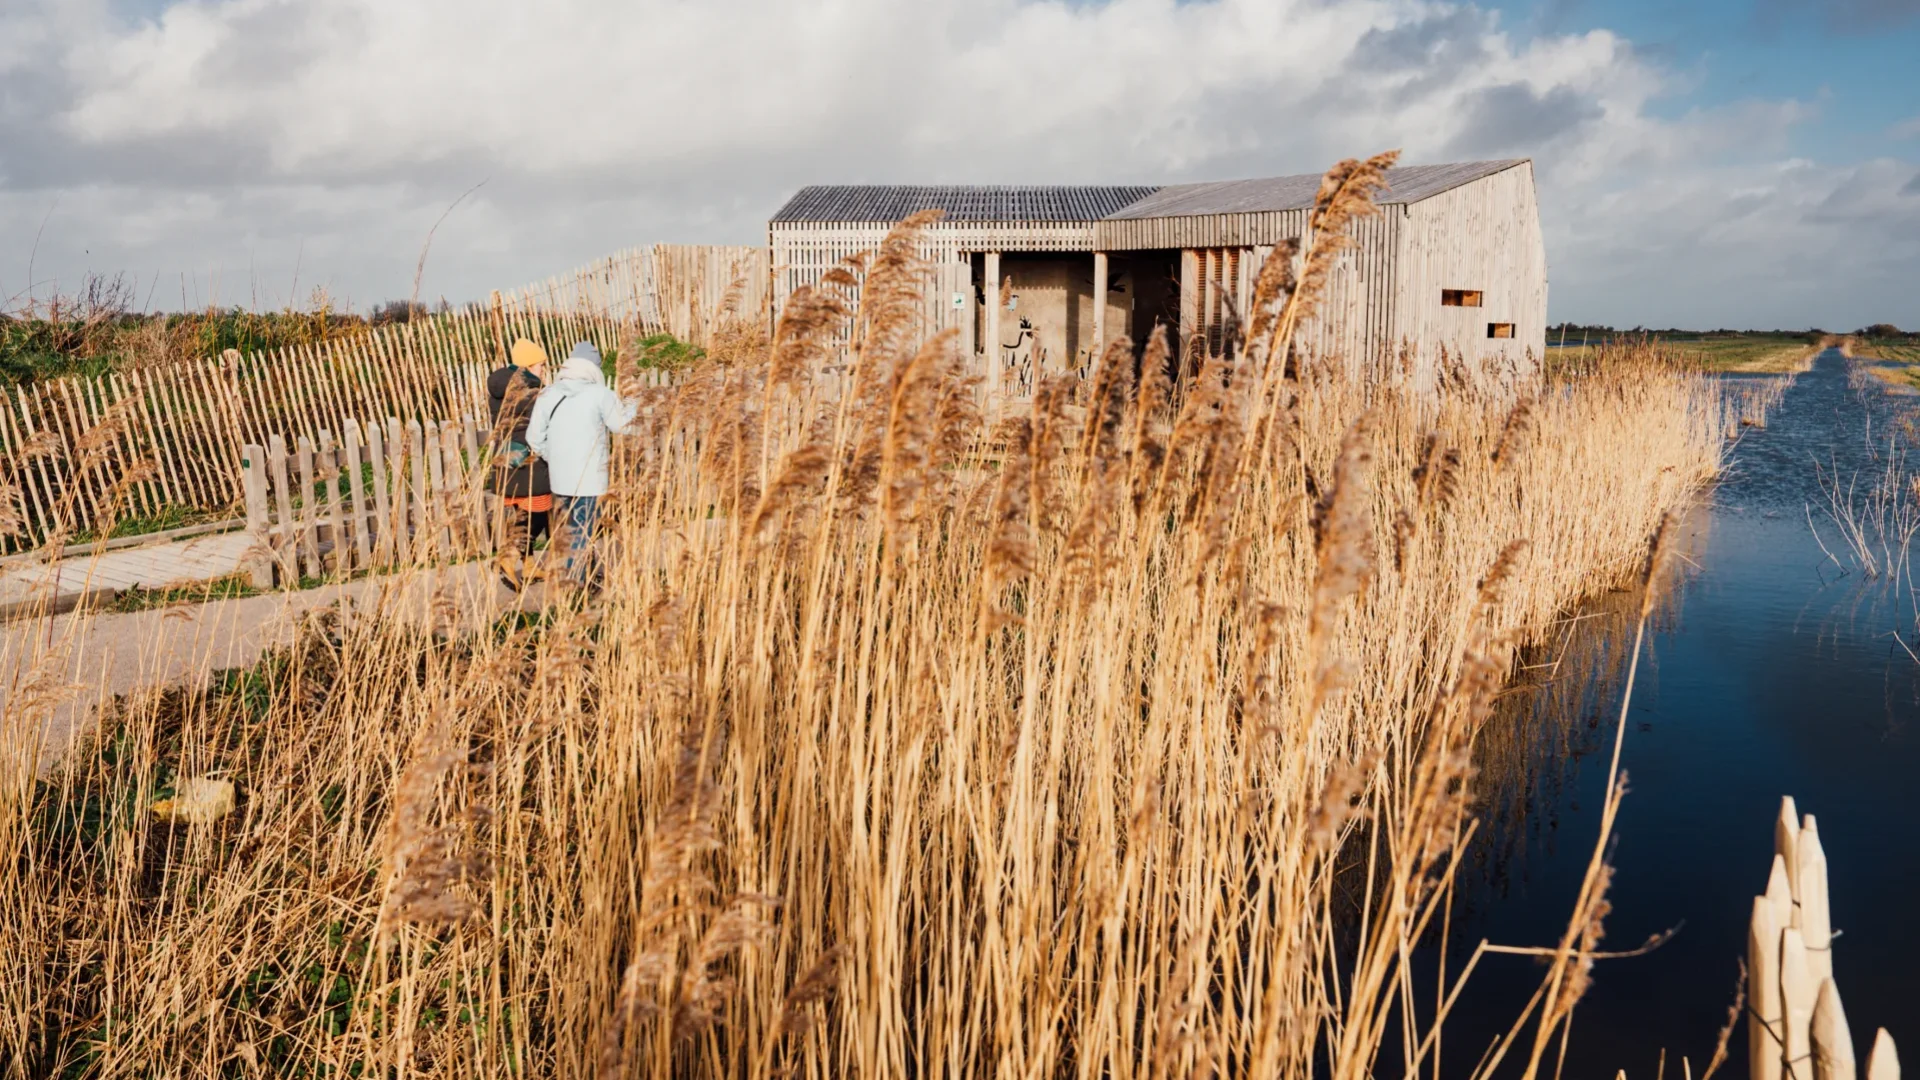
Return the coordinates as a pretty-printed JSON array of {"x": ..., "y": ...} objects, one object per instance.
[
  {"x": 1515, "y": 119},
  {"x": 205, "y": 142}
]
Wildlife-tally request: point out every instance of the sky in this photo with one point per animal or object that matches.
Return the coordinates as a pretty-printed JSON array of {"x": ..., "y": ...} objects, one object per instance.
[{"x": 1704, "y": 164}]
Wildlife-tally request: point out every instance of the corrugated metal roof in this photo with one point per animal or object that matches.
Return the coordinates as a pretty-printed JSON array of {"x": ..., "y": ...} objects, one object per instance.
[
  {"x": 891, "y": 202},
  {"x": 1408, "y": 184}
]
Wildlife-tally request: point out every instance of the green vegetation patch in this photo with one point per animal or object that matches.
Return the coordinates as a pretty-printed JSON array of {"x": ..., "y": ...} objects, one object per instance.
[{"x": 231, "y": 587}]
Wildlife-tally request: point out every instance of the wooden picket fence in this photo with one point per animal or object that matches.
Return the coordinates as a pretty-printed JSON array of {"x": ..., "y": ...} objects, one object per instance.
[
  {"x": 373, "y": 497},
  {"x": 1796, "y": 1027},
  {"x": 137, "y": 442},
  {"x": 382, "y": 495}
]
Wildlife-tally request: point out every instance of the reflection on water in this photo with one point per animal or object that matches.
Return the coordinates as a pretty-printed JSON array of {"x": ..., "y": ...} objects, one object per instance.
[{"x": 1768, "y": 672}]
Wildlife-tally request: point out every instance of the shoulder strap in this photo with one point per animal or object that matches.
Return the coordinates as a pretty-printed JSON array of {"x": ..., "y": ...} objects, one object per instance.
[{"x": 558, "y": 400}]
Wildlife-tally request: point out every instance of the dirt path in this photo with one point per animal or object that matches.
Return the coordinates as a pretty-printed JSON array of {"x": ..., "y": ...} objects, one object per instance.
[{"x": 56, "y": 672}]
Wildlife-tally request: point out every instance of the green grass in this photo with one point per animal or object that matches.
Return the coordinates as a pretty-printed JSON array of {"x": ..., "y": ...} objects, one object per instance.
[
  {"x": 656, "y": 351},
  {"x": 167, "y": 517},
  {"x": 1755, "y": 352},
  {"x": 1904, "y": 350},
  {"x": 1749, "y": 352},
  {"x": 46, "y": 348},
  {"x": 231, "y": 587}
]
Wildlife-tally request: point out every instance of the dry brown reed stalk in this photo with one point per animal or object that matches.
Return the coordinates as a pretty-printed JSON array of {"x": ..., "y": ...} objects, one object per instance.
[
  {"x": 1032, "y": 730},
  {"x": 1345, "y": 195}
]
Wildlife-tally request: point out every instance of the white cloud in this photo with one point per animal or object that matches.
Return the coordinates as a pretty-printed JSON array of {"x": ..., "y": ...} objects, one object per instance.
[{"x": 224, "y": 134}]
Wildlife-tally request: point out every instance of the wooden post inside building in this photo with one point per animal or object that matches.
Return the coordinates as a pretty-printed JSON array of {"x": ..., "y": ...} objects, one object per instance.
[
  {"x": 1190, "y": 286},
  {"x": 1099, "y": 304},
  {"x": 990, "y": 345}
]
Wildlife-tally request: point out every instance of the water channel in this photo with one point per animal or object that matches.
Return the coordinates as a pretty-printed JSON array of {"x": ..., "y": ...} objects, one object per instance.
[{"x": 1769, "y": 672}]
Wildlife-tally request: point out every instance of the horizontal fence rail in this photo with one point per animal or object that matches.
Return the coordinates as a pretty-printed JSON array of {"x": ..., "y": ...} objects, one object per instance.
[{"x": 82, "y": 453}]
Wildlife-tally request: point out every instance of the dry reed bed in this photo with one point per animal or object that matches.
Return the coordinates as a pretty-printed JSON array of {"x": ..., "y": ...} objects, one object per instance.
[{"x": 899, "y": 745}]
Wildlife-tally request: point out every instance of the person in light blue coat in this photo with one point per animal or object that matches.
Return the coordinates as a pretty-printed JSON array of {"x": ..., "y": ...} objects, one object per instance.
[{"x": 573, "y": 422}]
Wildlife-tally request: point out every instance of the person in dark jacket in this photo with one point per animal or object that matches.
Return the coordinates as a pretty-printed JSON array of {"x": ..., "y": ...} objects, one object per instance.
[{"x": 519, "y": 476}]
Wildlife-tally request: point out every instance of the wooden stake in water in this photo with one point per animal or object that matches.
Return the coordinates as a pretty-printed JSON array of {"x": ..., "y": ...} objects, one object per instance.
[
  {"x": 1816, "y": 924},
  {"x": 1780, "y": 895},
  {"x": 1883, "y": 1063},
  {"x": 1786, "y": 843},
  {"x": 1832, "y": 1042},
  {"x": 1764, "y": 1050},
  {"x": 1796, "y": 1000}
]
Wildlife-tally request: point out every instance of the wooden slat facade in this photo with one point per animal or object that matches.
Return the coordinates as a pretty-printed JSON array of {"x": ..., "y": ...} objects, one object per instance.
[{"x": 1472, "y": 227}]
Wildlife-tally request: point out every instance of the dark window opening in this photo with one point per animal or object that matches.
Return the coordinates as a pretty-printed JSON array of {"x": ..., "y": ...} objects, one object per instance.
[
  {"x": 1499, "y": 329},
  {"x": 1459, "y": 297}
]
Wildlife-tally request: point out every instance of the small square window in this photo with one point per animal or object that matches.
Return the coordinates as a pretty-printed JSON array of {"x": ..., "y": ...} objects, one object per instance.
[
  {"x": 1499, "y": 329},
  {"x": 1459, "y": 297}
]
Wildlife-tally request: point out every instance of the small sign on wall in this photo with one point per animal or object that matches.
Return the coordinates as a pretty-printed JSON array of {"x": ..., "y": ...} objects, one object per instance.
[{"x": 959, "y": 301}]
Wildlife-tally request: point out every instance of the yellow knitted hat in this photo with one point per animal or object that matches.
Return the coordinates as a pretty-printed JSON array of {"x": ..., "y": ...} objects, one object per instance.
[{"x": 528, "y": 355}]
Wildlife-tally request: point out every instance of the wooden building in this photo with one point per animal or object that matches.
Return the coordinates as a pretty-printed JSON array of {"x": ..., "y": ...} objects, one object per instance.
[{"x": 1035, "y": 277}]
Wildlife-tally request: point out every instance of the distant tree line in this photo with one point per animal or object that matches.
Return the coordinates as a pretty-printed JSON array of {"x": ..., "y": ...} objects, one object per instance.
[{"x": 1600, "y": 331}]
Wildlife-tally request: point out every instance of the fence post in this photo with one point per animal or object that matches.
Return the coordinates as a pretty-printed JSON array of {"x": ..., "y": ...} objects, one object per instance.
[
  {"x": 454, "y": 495},
  {"x": 436, "y": 501},
  {"x": 377, "y": 455},
  {"x": 422, "y": 505},
  {"x": 253, "y": 468},
  {"x": 357, "y": 481},
  {"x": 284, "y": 543},
  {"x": 396, "y": 465},
  {"x": 330, "y": 489},
  {"x": 499, "y": 328},
  {"x": 309, "y": 519}
]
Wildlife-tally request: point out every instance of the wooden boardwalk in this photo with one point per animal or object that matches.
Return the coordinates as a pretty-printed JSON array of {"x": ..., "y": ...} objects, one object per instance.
[{"x": 28, "y": 586}]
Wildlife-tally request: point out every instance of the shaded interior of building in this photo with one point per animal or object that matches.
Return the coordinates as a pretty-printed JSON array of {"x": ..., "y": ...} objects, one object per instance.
[{"x": 1047, "y": 318}]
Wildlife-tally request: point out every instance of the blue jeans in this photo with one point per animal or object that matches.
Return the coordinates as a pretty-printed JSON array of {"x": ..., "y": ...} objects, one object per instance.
[{"x": 576, "y": 520}]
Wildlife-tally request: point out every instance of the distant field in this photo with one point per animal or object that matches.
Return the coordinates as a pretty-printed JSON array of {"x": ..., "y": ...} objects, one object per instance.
[
  {"x": 1741, "y": 352},
  {"x": 1895, "y": 361},
  {"x": 1905, "y": 351}
]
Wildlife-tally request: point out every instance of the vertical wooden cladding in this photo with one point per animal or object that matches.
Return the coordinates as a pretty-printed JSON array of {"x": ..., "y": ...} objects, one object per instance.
[
  {"x": 802, "y": 252},
  {"x": 1388, "y": 289},
  {"x": 1355, "y": 319},
  {"x": 1480, "y": 237},
  {"x": 1222, "y": 293}
]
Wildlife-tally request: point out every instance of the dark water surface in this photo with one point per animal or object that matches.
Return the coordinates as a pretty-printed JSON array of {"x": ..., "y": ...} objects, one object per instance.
[{"x": 1770, "y": 674}]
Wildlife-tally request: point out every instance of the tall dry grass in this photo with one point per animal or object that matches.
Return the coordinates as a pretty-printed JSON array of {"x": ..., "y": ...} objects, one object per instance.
[{"x": 1129, "y": 737}]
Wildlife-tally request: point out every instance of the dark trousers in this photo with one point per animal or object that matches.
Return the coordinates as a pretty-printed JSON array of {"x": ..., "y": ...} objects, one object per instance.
[{"x": 526, "y": 527}]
